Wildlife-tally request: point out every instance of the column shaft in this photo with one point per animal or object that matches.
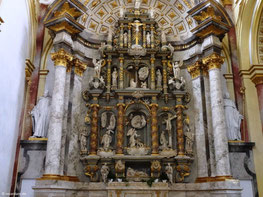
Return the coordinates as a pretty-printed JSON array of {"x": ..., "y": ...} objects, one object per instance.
[
  {"x": 94, "y": 129},
  {"x": 52, "y": 166},
  {"x": 260, "y": 101},
  {"x": 155, "y": 142},
  {"x": 120, "y": 128},
  {"x": 179, "y": 129}
]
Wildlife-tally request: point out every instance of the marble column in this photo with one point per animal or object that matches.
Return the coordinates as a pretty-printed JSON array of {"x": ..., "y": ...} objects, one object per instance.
[
  {"x": 213, "y": 63},
  {"x": 211, "y": 159},
  {"x": 164, "y": 62},
  {"x": 94, "y": 129},
  {"x": 144, "y": 35},
  {"x": 73, "y": 150},
  {"x": 65, "y": 120},
  {"x": 202, "y": 170},
  {"x": 129, "y": 36},
  {"x": 52, "y": 166},
  {"x": 120, "y": 128},
  {"x": 121, "y": 36},
  {"x": 258, "y": 81},
  {"x": 152, "y": 37},
  {"x": 155, "y": 139}
]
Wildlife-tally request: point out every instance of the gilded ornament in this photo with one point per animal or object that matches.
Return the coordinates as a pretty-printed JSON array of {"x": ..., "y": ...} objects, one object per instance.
[
  {"x": 61, "y": 57},
  {"x": 80, "y": 67},
  {"x": 210, "y": 12},
  {"x": 213, "y": 61},
  {"x": 66, "y": 9},
  {"x": 64, "y": 25}
]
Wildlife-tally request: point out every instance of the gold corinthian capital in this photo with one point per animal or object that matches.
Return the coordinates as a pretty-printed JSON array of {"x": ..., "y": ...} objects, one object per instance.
[
  {"x": 61, "y": 58},
  {"x": 213, "y": 61},
  {"x": 80, "y": 67}
]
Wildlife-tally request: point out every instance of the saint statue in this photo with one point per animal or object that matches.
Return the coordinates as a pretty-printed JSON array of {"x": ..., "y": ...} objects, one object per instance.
[
  {"x": 233, "y": 118},
  {"x": 114, "y": 77},
  {"x": 133, "y": 83},
  {"x": 168, "y": 123},
  {"x": 159, "y": 78},
  {"x": 40, "y": 116},
  {"x": 163, "y": 37},
  {"x": 148, "y": 39},
  {"x": 104, "y": 172},
  {"x": 169, "y": 172},
  {"x": 83, "y": 139},
  {"x": 177, "y": 69},
  {"x": 163, "y": 141},
  {"x": 134, "y": 141},
  {"x": 112, "y": 122},
  {"x": 97, "y": 67},
  {"x": 125, "y": 38},
  {"x": 106, "y": 140}
]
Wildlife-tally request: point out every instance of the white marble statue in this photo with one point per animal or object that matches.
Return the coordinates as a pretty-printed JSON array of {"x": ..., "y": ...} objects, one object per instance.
[
  {"x": 121, "y": 11},
  {"x": 159, "y": 78},
  {"x": 134, "y": 141},
  {"x": 104, "y": 172},
  {"x": 163, "y": 141},
  {"x": 103, "y": 119},
  {"x": 125, "y": 38},
  {"x": 143, "y": 73},
  {"x": 135, "y": 173},
  {"x": 137, "y": 4},
  {"x": 144, "y": 85},
  {"x": 151, "y": 13},
  {"x": 182, "y": 84},
  {"x": 83, "y": 139},
  {"x": 112, "y": 122},
  {"x": 97, "y": 67},
  {"x": 163, "y": 37},
  {"x": 133, "y": 83},
  {"x": 233, "y": 118},
  {"x": 168, "y": 123},
  {"x": 40, "y": 116},
  {"x": 177, "y": 69},
  {"x": 106, "y": 140},
  {"x": 169, "y": 172},
  {"x": 148, "y": 39},
  {"x": 138, "y": 121},
  {"x": 114, "y": 76}
]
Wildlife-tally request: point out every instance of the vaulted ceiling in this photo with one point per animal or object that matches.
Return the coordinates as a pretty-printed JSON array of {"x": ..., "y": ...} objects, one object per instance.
[{"x": 171, "y": 15}]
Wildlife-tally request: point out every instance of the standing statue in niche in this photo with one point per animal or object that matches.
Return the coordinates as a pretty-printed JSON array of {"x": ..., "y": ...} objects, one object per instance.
[
  {"x": 125, "y": 38},
  {"x": 233, "y": 118},
  {"x": 97, "y": 67},
  {"x": 134, "y": 141},
  {"x": 106, "y": 140},
  {"x": 103, "y": 119},
  {"x": 177, "y": 69},
  {"x": 40, "y": 116},
  {"x": 159, "y": 78},
  {"x": 137, "y": 4},
  {"x": 148, "y": 39},
  {"x": 112, "y": 122},
  {"x": 169, "y": 172},
  {"x": 168, "y": 123},
  {"x": 189, "y": 137},
  {"x": 114, "y": 77},
  {"x": 133, "y": 83},
  {"x": 163, "y": 141},
  {"x": 104, "y": 172}
]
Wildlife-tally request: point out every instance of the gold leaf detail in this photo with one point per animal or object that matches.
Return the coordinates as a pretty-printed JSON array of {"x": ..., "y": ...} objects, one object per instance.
[
  {"x": 66, "y": 9},
  {"x": 101, "y": 13}
]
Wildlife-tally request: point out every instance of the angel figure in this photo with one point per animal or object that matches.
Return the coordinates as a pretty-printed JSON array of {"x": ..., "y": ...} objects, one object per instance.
[
  {"x": 177, "y": 69},
  {"x": 97, "y": 67}
]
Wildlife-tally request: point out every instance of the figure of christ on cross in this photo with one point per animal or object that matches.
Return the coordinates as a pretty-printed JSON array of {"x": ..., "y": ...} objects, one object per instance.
[{"x": 168, "y": 123}]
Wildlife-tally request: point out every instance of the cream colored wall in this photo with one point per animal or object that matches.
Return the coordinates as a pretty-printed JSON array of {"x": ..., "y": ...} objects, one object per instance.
[{"x": 247, "y": 14}]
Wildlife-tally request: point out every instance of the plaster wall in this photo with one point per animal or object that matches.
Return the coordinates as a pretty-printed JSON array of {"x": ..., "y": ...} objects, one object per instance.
[{"x": 14, "y": 39}]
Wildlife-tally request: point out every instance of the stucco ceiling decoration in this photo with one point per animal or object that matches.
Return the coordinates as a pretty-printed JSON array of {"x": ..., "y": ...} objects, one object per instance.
[{"x": 171, "y": 16}]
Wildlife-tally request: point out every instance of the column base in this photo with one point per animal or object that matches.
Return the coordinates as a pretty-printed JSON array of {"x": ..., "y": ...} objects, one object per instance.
[
  {"x": 212, "y": 179},
  {"x": 58, "y": 177}
]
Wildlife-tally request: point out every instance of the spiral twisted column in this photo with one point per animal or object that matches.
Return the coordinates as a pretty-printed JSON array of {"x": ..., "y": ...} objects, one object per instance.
[
  {"x": 179, "y": 129},
  {"x": 94, "y": 129},
  {"x": 120, "y": 128},
  {"x": 155, "y": 144}
]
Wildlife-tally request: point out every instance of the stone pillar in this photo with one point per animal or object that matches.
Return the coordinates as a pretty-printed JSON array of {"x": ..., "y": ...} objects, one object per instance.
[
  {"x": 213, "y": 63},
  {"x": 211, "y": 159},
  {"x": 94, "y": 129},
  {"x": 195, "y": 71},
  {"x": 257, "y": 79},
  {"x": 109, "y": 75},
  {"x": 120, "y": 128},
  {"x": 165, "y": 86},
  {"x": 121, "y": 36},
  {"x": 52, "y": 166},
  {"x": 155, "y": 139},
  {"x": 152, "y": 73},
  {"x": 73, "y": 150},
  {"x": 179, "y": 129},
  {"x": 65, "y": 119},
  {"x": 121, "y": 73}
]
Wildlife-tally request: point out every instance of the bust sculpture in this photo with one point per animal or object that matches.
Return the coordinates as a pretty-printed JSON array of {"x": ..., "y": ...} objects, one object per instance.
[{"x": 40, "y": 116}]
